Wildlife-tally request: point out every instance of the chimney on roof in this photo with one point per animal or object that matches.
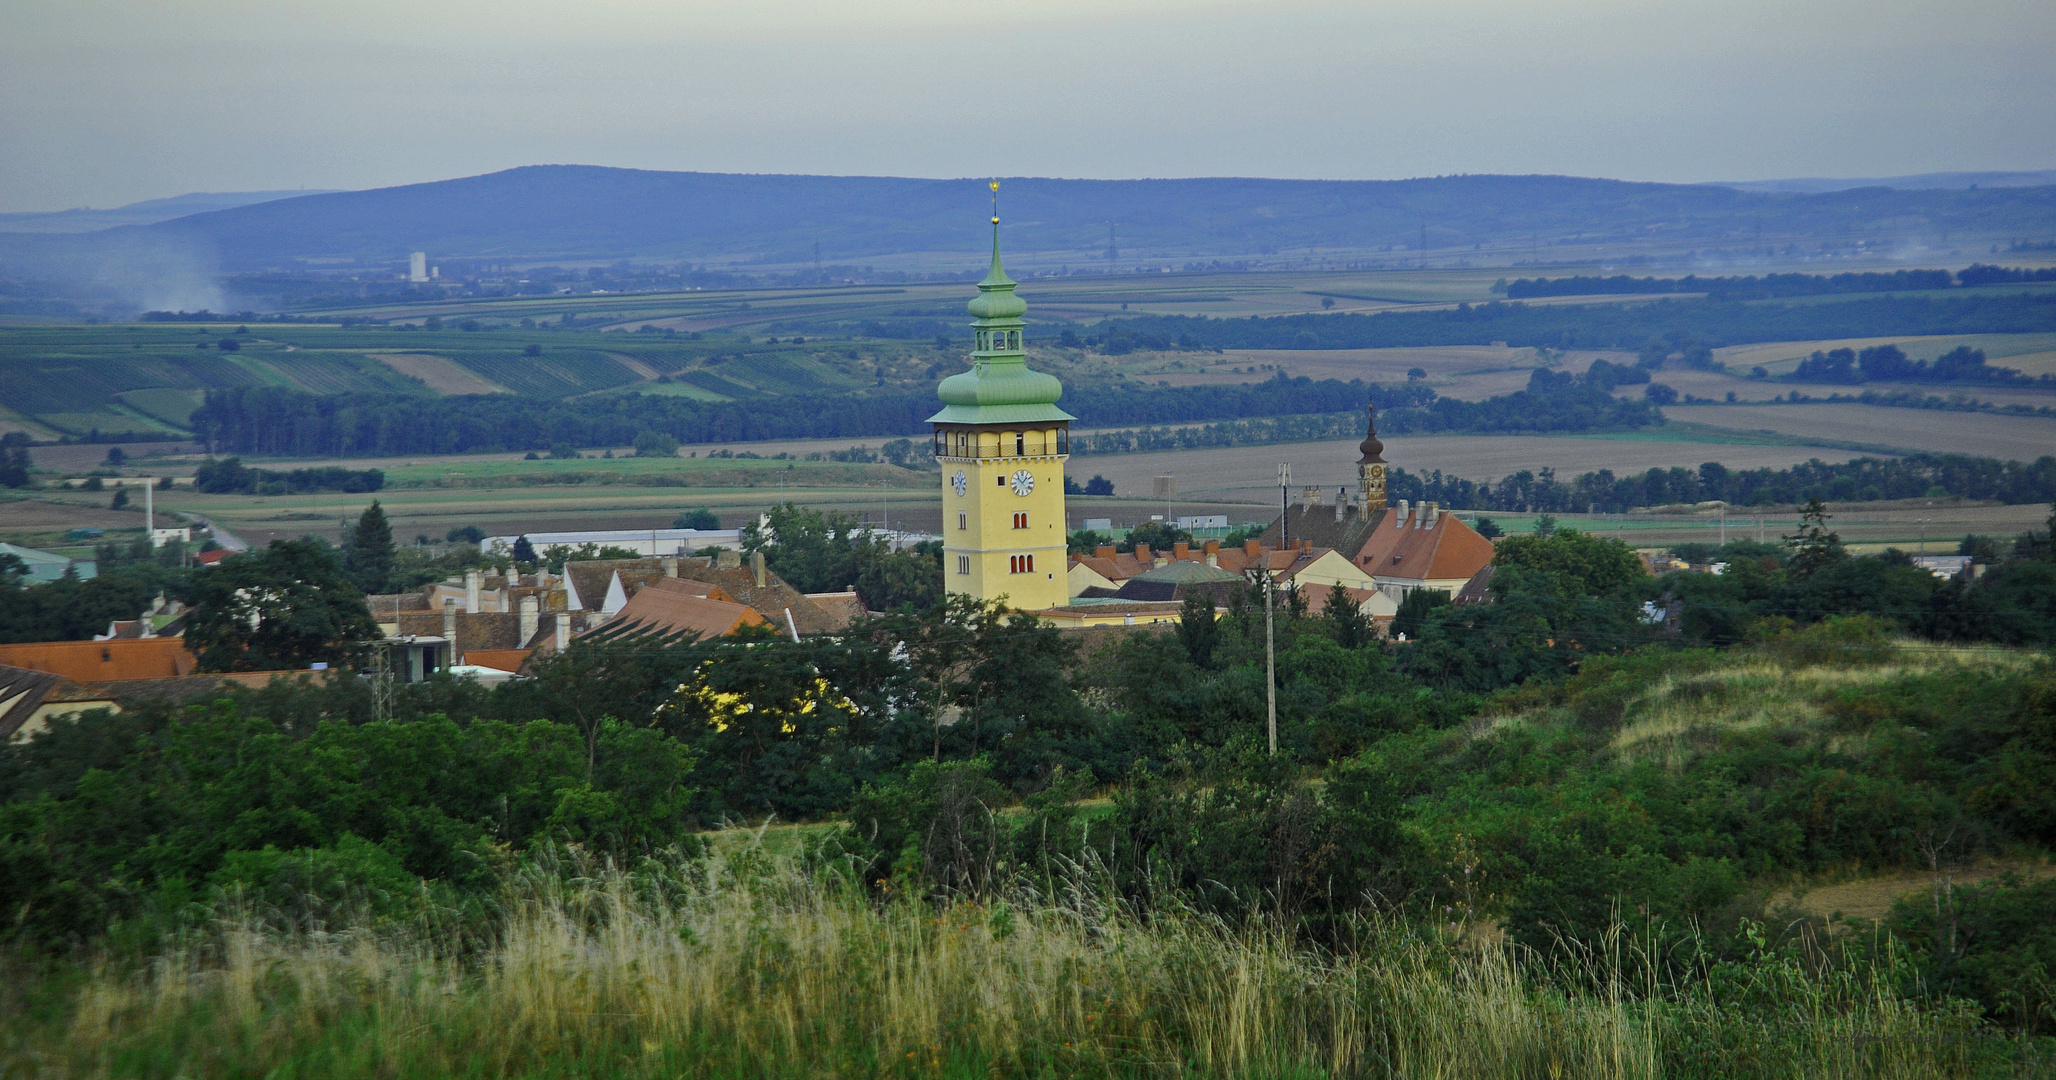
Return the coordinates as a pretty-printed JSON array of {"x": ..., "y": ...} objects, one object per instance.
[
  {"x": 1104, "y": 551},
  {"x": 471, "y": 588},
  {"x": 531, "y": 619},
  {"x": 1306, "y": 547},
  {"x": 1252, "y": 548},
  {"x": 1404, "y": 507},
  {"x": 757, "y": 567},
  {"x": 1310, "y": 496},
  {"x": 563, "y": 630},
  {"x": 1341, "y": 502},
  {"x": 1434, "y": 514},
  {"x": 450, "y": 620},
  {"x": 670, "y": 565},
  {"x": 1142, "y": 553},
  {"x": 1213, "y": 553},
  {"x": 1181, "y": 551},
  {"x": 728, "y": 559}
]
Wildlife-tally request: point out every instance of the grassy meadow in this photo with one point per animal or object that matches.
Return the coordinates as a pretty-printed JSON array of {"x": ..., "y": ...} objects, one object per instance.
[{"x": 759, "y": 964}]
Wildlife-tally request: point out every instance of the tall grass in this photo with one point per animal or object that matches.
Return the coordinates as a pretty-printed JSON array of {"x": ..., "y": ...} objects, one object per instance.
[{"x": 751, "y": 965}]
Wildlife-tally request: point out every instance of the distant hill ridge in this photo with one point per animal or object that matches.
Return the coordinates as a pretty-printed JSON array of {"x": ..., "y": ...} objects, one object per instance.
[{"x": 570, "y": 212}]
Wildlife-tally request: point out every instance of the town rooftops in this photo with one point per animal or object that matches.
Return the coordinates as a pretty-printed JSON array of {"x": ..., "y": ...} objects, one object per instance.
[
  {"x": 672, "y": 606},
  {"x": 103, "y": 661},
  {"x": 1424, "y": 544},
  {"x": 29, "y": 699}
]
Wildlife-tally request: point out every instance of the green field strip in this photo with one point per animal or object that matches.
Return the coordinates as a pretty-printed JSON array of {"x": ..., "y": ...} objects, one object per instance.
[
  {"x": 165, "y": 404},
  {"x": 104, "y": 420}
]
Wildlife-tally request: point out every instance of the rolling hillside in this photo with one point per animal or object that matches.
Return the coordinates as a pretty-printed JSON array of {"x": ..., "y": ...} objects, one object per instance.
[{"x": 566, "y": 212}]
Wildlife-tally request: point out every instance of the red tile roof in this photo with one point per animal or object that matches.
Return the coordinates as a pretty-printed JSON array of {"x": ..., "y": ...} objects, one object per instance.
[
  {"x": 1448, "y": 550},
  {"x": 103, "y": 661},
  {"x": 674, "y": 605}
]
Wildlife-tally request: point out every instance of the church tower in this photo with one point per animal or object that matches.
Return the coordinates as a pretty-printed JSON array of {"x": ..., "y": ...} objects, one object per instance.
[
  {"x": 1002, "y": 443},
  {"x": 1370, "y": 467}
]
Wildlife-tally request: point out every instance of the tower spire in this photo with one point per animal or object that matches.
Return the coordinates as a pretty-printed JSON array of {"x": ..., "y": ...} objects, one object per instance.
[
  {"x": 997, "y": 275},
  {"x": 1370, "y": 466}
]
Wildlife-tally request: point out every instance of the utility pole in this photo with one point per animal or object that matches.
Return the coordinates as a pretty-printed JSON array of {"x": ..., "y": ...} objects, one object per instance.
[
  {"x": 1260, "y": 574},
  {"x": 1270, "y": 667},
  {"x": 1284, "y": 504},
  {"x": 1923, "y": 535}
]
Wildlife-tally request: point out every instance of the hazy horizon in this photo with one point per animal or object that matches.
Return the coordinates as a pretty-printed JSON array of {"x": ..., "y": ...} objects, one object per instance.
[{"x": 108, "y": 103}]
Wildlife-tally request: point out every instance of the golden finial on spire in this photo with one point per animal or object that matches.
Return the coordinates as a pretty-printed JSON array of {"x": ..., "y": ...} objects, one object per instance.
[{"x": 995, "y": 201}]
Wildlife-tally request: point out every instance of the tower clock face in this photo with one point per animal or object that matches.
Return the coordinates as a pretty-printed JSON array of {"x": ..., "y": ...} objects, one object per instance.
[
  {"x": 960, "y": 482},
  {"x": 1377, "y": 481},
  {"x": 1024, "y": 482}
]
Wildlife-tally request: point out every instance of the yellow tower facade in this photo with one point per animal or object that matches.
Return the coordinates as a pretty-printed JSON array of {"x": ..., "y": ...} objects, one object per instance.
[{"x": 1002, "y": 443}]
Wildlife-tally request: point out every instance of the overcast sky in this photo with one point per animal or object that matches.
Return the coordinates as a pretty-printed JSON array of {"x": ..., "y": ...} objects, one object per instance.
[{"x": 104, "y": 102}]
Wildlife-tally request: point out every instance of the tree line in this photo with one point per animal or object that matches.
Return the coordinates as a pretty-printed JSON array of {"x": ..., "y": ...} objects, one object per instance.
[
  {"x": 270, "y": 420},
  {"x": 1713, "y": 322},
  {"x": 1767, "y": 287},
  {"x": 1775, "y": 286},
  {"x": 1866, "y": 479},
  {"x": 229, "y": 476},
  {"x": 1889, "y": 363}
]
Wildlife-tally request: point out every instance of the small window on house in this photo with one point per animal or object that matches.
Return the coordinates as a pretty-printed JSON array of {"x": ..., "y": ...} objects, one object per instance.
[
  {"x": 1000, "y": 481},
  {"x": 963, "y": 564},
  {"x": 1020, "y": 443},
  {"x": 963, "y": 520},
  {"x": 1020, "y": 520}
]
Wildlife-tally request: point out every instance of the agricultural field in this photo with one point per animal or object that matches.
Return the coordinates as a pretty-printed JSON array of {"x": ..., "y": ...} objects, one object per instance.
[
  {"x": 2022, "y": 438},
  {"x": 1249, "y": 474}
]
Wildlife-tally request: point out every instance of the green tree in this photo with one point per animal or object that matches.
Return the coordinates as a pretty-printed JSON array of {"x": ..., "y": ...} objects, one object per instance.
[
  {"x": 283, "y": 608},
  {"x": 1346, "y": 621},
  {"x": 1085, "y": 541},
  {"x": 1414, "y": 609},
  {"x": 1199, "y": 629},
  {"x": 890, "y": 580},
  {"x": 655, "y": 444},
  {"x": 1814, "y": 546},
  {"x": 368, "y": 557},
  {"x": 1158, "y": 535},
  {"x": 813, "y": 551},
  {"x": 1574, "y": 564},
  {"x": 697, "y": 518}
]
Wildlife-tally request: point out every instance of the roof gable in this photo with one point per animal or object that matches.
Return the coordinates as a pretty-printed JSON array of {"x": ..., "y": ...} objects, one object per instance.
[
  {"x": 672, "y": 606},
  {"x": 1411, "y": 549}
]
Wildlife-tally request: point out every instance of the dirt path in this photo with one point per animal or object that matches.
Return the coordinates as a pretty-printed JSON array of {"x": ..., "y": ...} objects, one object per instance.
[
  {"x": 1872, "y": 897},
  {"x": 441, "y": 374}
]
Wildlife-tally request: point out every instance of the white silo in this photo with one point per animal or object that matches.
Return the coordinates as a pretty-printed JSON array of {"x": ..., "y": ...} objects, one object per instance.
[{"x": 417, "y": 267}]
